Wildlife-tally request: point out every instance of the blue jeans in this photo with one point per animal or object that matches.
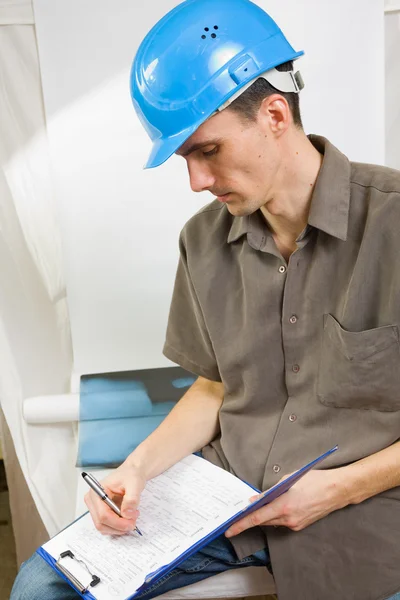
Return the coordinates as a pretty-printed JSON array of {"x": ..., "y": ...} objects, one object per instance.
[{"x": 36, "y": 580}]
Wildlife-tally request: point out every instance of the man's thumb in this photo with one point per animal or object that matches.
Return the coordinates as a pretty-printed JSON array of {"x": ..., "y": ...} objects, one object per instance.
[{"x": 130, "y": 503}]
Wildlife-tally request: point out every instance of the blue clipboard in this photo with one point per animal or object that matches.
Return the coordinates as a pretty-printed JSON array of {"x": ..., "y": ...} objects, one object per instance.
[
  {"x": 268, "y": 496},
  {"x": 54, "y": 564},
  {"x": 152, "y": 578}
]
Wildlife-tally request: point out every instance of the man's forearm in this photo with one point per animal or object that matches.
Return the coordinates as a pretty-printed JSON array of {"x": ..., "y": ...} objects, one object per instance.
[
  {"x": 191, "y": 424},
  {"x": 372, "y": 475}
]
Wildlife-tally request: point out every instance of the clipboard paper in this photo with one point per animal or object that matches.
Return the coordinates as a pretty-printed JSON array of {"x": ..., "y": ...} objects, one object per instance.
[{"x": 181, "y": 511}]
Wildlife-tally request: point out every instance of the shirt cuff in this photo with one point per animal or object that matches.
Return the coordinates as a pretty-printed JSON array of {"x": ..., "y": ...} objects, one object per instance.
[{"x": 184, "y": 362}]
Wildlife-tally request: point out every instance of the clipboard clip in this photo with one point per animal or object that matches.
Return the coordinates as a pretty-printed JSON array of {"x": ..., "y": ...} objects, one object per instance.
[{"x": 71, "y": 578}]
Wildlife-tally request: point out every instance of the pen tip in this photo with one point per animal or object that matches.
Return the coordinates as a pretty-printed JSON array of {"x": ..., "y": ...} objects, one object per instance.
[{"x": 83, "y": 474}]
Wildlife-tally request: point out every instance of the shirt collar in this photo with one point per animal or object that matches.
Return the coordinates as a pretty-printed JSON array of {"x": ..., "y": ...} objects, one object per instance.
[
  {"x": 330, "y": 202},
  {"x": 239, "y": 227}
]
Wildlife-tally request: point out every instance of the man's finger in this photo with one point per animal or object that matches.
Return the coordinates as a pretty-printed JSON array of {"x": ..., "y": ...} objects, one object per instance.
[
  {"x": 103, "y": 515},
  {"x": 255, "y": 497},
  {"x": 250, "y": 521},
  {"x": 129, "y": 504},
  {"x": 258, "y": 517}
]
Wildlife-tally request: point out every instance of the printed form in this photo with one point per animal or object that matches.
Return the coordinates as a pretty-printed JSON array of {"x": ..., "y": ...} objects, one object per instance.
[{"x": 177, "y": 509}]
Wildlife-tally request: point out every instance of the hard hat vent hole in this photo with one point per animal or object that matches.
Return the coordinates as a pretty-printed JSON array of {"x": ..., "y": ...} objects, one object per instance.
[{"x": 207, "y": 29}]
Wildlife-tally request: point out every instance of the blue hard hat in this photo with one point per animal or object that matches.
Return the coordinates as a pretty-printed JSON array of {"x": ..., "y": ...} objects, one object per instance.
[{"x": 194, "y": 60}]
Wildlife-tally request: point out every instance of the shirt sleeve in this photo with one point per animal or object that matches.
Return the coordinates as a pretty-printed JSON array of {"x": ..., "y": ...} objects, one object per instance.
[{"x": 188, "y": 341}]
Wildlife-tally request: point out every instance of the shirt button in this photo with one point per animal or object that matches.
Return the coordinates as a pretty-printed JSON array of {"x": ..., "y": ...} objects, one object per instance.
[
  {"x": 282, "y": 269},
  {"x": 293, "y": 319},
  {"x": 295, "y": 368},
  {"x": 276, "y": 468},
  {"x": 292, "y": 418}
]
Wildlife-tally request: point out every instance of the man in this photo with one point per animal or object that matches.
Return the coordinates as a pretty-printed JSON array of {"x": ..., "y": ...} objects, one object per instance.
[{"x": 286, "y": 305}]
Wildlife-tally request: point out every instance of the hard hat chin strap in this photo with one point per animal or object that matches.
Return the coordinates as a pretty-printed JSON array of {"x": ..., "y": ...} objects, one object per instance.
[{"x": 284, "y": 81}]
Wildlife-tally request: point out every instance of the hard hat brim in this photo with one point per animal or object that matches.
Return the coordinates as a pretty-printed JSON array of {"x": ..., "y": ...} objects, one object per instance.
[{"x": 163, "y": 149}]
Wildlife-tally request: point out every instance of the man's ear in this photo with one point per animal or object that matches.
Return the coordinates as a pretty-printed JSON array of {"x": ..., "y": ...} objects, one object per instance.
[{"x": 275, "y": 114}]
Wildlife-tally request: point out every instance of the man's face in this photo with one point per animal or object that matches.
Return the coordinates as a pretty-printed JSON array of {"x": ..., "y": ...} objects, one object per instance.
[{"x": 235, "y": 160}]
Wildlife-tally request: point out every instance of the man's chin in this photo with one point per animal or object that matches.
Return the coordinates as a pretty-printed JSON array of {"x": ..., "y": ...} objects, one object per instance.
[{"x": 238, "y": 210}]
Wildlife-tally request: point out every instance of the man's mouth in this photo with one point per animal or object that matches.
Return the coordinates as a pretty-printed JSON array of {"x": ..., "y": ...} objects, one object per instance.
[{"x": 223, "y": 197}]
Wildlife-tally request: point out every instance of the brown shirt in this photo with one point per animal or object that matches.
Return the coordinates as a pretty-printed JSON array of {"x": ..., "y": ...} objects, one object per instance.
[{"x": 308, "y": 353}]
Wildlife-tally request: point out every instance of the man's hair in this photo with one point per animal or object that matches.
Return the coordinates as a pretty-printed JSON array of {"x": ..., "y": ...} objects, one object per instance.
[{"x": 248, "y": 103}]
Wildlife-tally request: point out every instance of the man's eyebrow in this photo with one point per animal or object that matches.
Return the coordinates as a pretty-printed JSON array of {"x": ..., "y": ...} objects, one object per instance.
[{"x": 199, "y": 145}]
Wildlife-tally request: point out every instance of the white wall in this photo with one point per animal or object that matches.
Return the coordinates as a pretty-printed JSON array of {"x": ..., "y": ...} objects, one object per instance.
[
  {"x": 392, "y": 85},
  {"x": 120, "y": 224}
]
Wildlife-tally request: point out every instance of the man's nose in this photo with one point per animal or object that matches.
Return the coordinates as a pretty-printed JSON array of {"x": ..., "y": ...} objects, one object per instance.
[{"x": 201, "y": 178}]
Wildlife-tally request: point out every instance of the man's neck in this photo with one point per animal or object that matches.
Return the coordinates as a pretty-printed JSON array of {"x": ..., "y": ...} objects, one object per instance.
[{"x": 287, "y": 212}]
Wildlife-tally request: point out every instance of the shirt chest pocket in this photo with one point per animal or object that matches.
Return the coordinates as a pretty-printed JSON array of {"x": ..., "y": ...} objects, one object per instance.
[{"x": 359, "y": 369}]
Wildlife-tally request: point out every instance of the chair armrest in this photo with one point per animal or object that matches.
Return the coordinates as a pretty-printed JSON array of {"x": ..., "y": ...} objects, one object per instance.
[{"x": 57, "y": 408}]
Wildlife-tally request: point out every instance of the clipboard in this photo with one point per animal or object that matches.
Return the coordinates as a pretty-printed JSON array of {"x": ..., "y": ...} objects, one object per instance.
[
  {"x": 83, "y": 589},
  {"x": 78, "y": 586},
  {"x": 268, "y": 496}
]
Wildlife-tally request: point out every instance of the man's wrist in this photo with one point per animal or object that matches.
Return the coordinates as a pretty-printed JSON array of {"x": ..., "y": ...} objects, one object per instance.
[
  {"x": 137, "y": 462},
  {"x": 351, "y": 485}
]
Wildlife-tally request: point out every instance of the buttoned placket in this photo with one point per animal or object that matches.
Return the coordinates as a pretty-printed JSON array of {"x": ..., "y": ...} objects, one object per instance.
[{"x": 292, "y": 334}]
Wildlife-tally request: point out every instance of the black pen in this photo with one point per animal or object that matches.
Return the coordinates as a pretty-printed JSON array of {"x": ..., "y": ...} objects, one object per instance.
[{"x": 100, "y": 491}]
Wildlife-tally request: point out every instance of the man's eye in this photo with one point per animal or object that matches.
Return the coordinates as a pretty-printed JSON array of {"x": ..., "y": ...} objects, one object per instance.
[{"x": 211, "y": 152}]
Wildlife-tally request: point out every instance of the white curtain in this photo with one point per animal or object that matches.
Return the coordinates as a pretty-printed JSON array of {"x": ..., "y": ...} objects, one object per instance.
[
  {"x": 35, "y": 349},
  {"x": 16, "y": 12}
]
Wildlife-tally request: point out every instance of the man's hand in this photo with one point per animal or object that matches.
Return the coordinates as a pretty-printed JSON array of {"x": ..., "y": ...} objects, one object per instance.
[
  {"x": 316, "y": 495},
  {"x": 123, "y": 486}
]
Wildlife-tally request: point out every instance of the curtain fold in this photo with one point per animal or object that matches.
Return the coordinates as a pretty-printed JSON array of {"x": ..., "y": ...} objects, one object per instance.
[
  {"x": 16, "y": 12},
  {"x": 24, "y": 155},
  {"x": 35, "y": 344}
]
